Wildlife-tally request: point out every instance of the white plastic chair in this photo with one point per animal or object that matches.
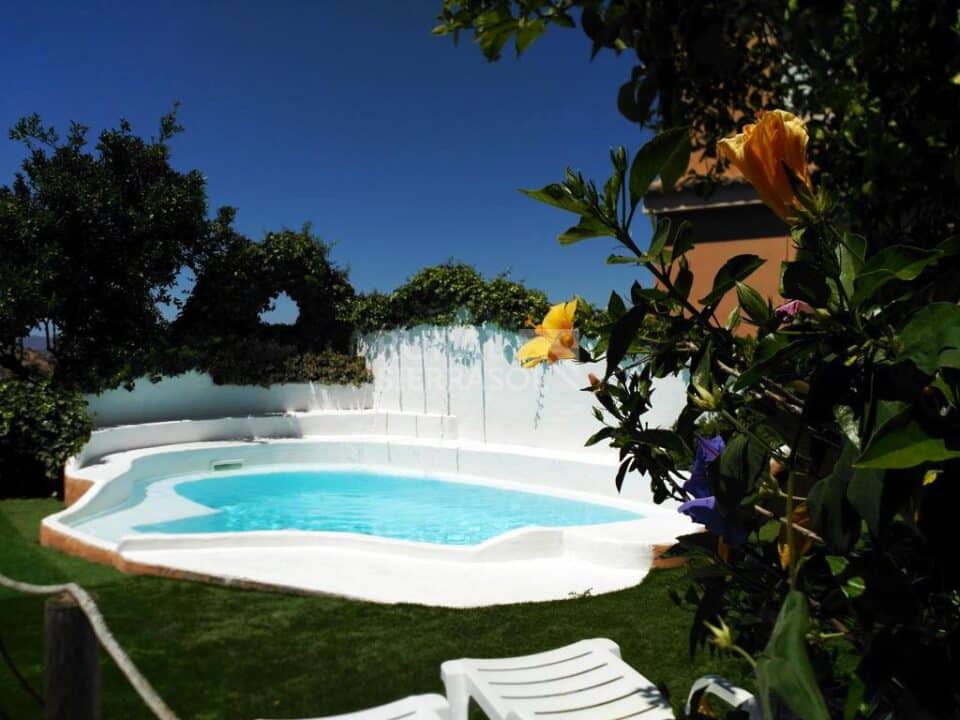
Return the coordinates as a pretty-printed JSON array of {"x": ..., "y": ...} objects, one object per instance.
[
  {"x": 732, "y": 695},
  {"x": 584, "y": 681},
  {"x": 414, "y": 707}
]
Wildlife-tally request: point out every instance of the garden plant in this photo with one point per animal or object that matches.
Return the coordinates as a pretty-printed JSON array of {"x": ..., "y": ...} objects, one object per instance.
[{"x": 819, "y": 442}]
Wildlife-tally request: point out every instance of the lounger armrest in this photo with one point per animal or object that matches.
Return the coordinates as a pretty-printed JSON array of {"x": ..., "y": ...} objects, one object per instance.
[{"x": 734, "y": 696}]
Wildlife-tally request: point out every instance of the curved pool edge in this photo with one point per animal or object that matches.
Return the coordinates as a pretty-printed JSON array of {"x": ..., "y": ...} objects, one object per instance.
[{"x": 523, "y": 565}]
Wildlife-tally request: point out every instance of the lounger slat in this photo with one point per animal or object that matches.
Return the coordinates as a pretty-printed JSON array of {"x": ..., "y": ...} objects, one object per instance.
[
  {"x": 563, "y": 693},
  {"x": 500, "y": 666},
  {"x": 583, "y": 681},
  {"x": 547, "y": 673},
  {"x": 618, "y": 693},
  {"x": 616, "y": 704},
  {"x": 401, "y": 717}
]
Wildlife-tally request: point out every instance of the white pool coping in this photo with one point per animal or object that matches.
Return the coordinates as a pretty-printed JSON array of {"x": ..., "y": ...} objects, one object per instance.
[{"x": 524, "y": 565}]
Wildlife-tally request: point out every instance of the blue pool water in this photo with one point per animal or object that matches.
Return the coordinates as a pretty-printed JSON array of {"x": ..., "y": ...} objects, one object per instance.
[{"x": 394, "y": 506}]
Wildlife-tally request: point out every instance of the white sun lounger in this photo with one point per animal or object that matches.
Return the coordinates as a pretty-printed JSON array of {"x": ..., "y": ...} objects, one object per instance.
[
  {"x": 414, "y": 707},
  {"x": 583, "y": 681}
]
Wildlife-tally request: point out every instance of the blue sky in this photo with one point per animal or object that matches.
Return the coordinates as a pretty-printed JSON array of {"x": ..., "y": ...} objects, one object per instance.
[{"x": 402, "y": 149}]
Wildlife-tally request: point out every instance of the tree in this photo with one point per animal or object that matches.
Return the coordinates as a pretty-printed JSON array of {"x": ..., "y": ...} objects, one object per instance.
[
  {"x": 93, "y": 243},
  {"x": 830, "y": 488},
  {"x": 876, "y": 81},
  {"x": 240, "y": 279}
]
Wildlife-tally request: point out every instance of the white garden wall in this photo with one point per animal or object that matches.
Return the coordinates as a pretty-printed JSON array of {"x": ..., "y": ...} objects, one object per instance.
[
  {"x": 469, "y": 372},
  {"x": 472, "y": 373},
  {"x": 194, "y": 396}
]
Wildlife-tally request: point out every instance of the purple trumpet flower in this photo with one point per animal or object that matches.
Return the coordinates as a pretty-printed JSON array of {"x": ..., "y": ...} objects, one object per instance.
[
  {"x": 707, "y": 451},
  {"x": 703, "y": 508},
  {"x": 706, "y": 512}
]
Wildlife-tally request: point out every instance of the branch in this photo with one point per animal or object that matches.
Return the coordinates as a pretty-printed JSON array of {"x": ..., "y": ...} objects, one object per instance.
[{"x": 798, "y": 528}]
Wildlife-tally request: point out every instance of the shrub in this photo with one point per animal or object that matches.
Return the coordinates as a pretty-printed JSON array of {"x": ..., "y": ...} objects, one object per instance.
[
  {"x": 41, "y": 425},
  {"x": 830, "y": 497},
  {"x": 265, "y": 363},
  {"x": 449, "y": 294}
]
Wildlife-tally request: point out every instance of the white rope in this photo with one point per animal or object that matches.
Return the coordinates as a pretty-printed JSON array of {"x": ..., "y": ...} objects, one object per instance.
[{"x": 89, "y": 607}]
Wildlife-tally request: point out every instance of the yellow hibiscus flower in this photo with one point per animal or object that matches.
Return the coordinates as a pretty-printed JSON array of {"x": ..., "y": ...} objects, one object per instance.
[
  {"x": 760, "y": 152},
  {"x": 555, "y": 339}
]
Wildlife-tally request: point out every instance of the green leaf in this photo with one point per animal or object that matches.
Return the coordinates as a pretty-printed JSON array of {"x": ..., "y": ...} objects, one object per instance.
[
  {"x": 898, "y": 262},
  {"x": 660, "y": 236},
  {"x": 622, "y": 260},
  {"x": 662, "y": 438},
  {"x": 635, "y": 97},
  {"x": 735, "y": 269},
  {"x": 676, "y": 163},
  {"x": 855, "y": 694},
  {"x": 740, "y": 469},
  {"x": 527, "y": 32},
  {"x": 558, "y": 196},
  {"x": 588, "y": 227},
  {"x": 784, "y": 668},
  {"x": 772, "y": 350},
  {"x": 831, "y": 514},
  {"x": 865, "y": 493},
  {"x": 682, "y": 239},
  {"x": 603, "y": 434},
  {"x": 800, "y": 280},
  {"x": 659, "y": 156},
  {"x": 754, "y": 304},
  {"x": 904, "y": 443},
  {"x": 615, "y": 306},
  {"x": 622, "y": 334},
  {"x": 683, "y": 281},
  {"x": 852, "y": 251},
  {"x": 931, "y": 336}
]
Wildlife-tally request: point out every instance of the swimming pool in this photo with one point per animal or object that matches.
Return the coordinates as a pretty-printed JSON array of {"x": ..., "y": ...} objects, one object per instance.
[
  {"x": 404, "y": 507},
  {"x": 372, "y": 517}
]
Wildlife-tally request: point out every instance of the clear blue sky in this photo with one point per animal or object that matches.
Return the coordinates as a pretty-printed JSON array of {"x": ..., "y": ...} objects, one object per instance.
[{"x": 402, "y": 149}]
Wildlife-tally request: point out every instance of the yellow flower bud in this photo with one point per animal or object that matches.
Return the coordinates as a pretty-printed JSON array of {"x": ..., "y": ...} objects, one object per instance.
[{"x": 722, "y": 635}]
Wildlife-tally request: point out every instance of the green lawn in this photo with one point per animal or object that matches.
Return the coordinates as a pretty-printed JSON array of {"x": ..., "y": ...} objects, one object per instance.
[{"x": 215, "y": 652}]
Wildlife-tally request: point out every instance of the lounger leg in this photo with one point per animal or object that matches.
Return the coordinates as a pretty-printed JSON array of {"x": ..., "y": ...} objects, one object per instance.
[{"x": 455, "y": 682}]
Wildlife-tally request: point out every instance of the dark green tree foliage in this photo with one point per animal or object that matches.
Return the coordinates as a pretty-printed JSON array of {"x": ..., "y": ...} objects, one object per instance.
[
  {"x": 861, "y": 619},
  {"x": 40, "y": 427},
  {"x": 875, "y": 79},
  {"x": 93, "y": 242},
  {"x": 220, "y": 330},
  {"x": 452, "y": 293},
  {"x": 23, "y": 268}
]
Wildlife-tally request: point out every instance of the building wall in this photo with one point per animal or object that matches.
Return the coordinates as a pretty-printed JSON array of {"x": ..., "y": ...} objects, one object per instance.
[
  {"x": 707, "y": 258},
  {"x": 730, "y": 222}
]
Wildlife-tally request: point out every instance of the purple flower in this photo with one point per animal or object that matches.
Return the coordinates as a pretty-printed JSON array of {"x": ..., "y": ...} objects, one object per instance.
[
  {"x": 706, "y": 512},
  {"x": 703, "y": 508},
  {"x": 698, "y": 484},
  {"x": 791, "y": 309}
]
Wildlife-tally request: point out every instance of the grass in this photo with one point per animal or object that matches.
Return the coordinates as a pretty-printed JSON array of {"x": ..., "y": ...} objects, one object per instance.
[{"x": 216, "y": 652}]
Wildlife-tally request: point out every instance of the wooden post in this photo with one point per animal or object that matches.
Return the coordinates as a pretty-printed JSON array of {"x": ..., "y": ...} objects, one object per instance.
[{"x": 71, "y": 667}]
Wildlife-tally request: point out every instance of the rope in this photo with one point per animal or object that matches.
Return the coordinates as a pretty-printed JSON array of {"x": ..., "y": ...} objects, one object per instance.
[{"x": 89, "y": 607}]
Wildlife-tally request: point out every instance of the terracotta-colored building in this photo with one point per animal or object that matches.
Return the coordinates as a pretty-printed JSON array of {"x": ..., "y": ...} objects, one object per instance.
[{"x": 732, "y": 221}]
